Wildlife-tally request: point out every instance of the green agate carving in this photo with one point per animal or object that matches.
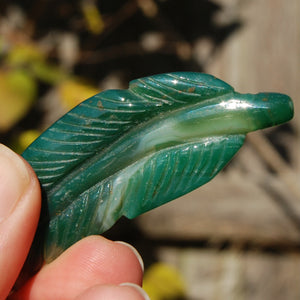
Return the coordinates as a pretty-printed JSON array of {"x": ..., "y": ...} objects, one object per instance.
[{"x": 124, "y": 152}]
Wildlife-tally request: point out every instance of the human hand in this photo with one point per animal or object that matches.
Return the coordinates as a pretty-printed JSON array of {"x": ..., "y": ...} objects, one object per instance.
[{"x": 93, "y": 268}]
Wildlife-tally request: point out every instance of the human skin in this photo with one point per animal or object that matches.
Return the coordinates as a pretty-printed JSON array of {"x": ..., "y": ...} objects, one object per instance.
[{"x": 93, "y": 268}]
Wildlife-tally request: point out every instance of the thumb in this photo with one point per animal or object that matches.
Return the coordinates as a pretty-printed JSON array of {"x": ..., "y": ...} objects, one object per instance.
[{"x": 19, "y": 214}]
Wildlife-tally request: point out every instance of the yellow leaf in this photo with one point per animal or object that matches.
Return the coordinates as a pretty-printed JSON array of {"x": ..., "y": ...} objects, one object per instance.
[
  {"x": 163, "y": 282},
  {"x": 24, "y": 140},
  {"x": 92, "y": 16},
  {"x": 17, "y": 93},
  {"x": 74, "y": 91}
]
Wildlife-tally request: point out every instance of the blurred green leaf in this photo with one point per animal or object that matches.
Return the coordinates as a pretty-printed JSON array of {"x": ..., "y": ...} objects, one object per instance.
[
  {"x": 24, "y": 54},
  {"x": 48, "y": 73}
]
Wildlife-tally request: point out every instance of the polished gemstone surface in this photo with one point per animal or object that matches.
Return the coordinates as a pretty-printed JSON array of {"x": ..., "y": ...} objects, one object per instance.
[{"x": 124, "y": 152}]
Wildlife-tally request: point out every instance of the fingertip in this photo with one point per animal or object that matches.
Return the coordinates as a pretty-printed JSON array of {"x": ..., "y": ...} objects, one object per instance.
[
  {"x": 135, "y": 252},
  {"x": 96, "y": 255},
  {"x": 92, "y": 261},
  {"x": 20, "y": 201},
  {"x": 137, "y": 288},
  {"x": 125, "y": 291}
]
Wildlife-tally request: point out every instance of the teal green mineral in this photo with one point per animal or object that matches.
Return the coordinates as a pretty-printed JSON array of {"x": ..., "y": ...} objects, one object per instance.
[{"x": 124, "y": 152}]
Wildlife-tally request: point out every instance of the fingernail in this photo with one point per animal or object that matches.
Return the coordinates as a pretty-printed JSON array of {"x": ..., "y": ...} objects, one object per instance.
[
  {"x": 137, "y": 288},
  {"x": 137, "y": 254},
  {"x": 14, "y": 179}
]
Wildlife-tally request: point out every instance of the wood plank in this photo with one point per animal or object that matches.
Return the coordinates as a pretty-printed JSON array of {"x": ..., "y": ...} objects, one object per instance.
[
  {"x": 234, "y": 275},
  {"x": 231, "y": 207}
]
